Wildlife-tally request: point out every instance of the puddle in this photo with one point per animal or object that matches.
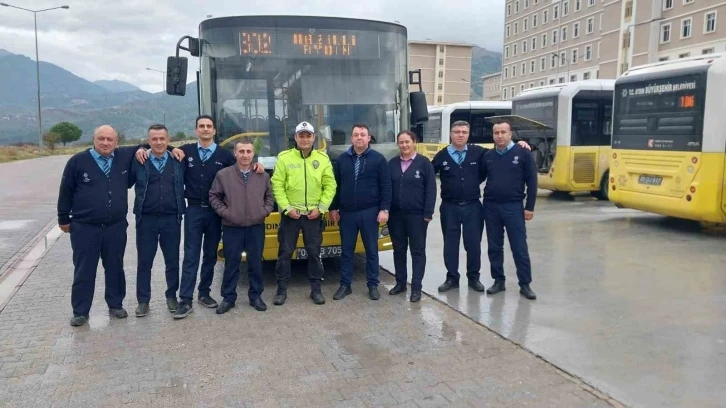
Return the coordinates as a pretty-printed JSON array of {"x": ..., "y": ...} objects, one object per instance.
[{"x": 13, "y": 224}]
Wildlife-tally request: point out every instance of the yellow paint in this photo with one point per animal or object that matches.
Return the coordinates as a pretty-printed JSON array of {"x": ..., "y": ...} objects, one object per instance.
[{"x": 567, "y": 174}]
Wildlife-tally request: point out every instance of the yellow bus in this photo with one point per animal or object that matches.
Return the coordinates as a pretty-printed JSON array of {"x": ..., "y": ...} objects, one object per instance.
[
  {"x": 573, "y": 153},
  {"x": 669, "y": 139},
  {"x": 260, "y": 76},
  {"x": 436, "y": 131}
]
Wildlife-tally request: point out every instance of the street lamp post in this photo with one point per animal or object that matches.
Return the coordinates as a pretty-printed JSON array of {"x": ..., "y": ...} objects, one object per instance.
[
  {"x": 37, "y": 62},
  {"x": 163, "y": 77}
]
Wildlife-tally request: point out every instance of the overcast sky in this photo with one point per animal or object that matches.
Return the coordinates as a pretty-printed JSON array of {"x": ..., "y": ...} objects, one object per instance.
[{"x": 102, "y": 39}]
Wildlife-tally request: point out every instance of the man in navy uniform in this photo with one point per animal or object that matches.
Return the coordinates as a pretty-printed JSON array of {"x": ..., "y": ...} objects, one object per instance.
[
  {"x": 92, "y": 207},
  {"x": 461, "y": 209},
  {"x": 159, "y": 208},
  {"x": 508, "y": 169},
  {"x": 362, "y": 202}
]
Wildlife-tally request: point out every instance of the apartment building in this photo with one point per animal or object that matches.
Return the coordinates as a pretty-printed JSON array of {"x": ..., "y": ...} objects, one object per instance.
[
  {"x": 445, "y": 70},
  {"x": 557, "y": 41},
  {"x": 492, "y": 87}
]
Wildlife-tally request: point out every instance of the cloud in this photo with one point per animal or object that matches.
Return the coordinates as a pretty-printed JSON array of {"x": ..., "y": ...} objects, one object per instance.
[{"x": 103, "y": 39}]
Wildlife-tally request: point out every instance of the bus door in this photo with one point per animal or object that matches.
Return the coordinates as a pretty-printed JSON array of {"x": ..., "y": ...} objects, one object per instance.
[{"x": 589, "y": 131}]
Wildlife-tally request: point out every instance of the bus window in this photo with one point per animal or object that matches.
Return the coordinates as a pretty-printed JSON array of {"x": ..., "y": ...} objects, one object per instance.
[
  {"x": 432, "y": 129},
  {"x": 585, "y": 123},
  {"x": 607, "y": 124}
]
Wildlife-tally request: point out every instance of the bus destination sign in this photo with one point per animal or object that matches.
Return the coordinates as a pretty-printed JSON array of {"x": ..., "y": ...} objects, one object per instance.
[{"x": 308, "y": 43}]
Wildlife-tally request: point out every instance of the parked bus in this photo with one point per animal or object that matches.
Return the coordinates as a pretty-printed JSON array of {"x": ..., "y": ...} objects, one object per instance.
[
  {"x": 572, "y": 154},
  {"x": 437, "y": 130},
  {"x": 259, "y": 76},
  {"x": 669, "y": 139}
]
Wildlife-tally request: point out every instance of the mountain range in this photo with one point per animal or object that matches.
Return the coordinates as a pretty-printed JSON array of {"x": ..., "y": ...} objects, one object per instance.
[{"x": 68, "y": 97}]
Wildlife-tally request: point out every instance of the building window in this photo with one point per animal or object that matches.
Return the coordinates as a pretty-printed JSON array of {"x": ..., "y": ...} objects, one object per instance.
[
  {"x": 590, "y": 3},
  {"x": 526, "y": 4},
  {"x": 586, "y": 76},
  {"x": 573, "y": 78},
  {"x": 511, "y": 91},
  {"x": 561, "y": 80},
  {"x": 578, "y": 5},
  {"x": 534, "y": 20},
  {"x": 626, "y": 39},
  {"x": 508, "y": 31},
  {"x": 514, "y": 50},
  {"x": 441, "y": 48},
  {"x": 526, "y": 24},
  {"x": 565, "y": 8},
  {"x": 707, "y": 51},
  {"x": 590, "y": 25},
  {"x": 628, "y": 10},
  {"x": 544, "y": 40},
  {"x": 588, "y": 53},
  {"x": 441, "y": 74},
  {"x": 516, "y": 28},
  {"x": 553, "y": 63},
  {"x": 684, "y": 55},
  {"x": 564, "y": 34},
  {"x": 710, "y": 25},
  {"x": 441, "y": 61},
  {"x": 667, "y": 4},
  {"x": 544, "y": 17},
  {"x": 542, "y": 64},
  {"x": 440, "y": 99},
  {"x": 534, "y": 43},
  {"x": 531, "y": 85},
  {"x": 441, "y": 86},
  {"x": 576, "y": 30},
  {"x": 575, "y": 51},
  {"x": 662, "y": 59},
  {"x": 686, "y": 27},
  {"x": 506, "y": 52},
  {"x": 506, "y": 72},
  {"x": 524, "y": 46},
  {"x": 516, "y": 7},
  {"x": 556, "y": 11},
  {"x": 563, "y": 58},
  {"x": 665, "y": 33},
  {"x": 532, "y": 67},
  {"x": 554, "y": 36},
  {"x": 509, "y": 10},
  {"x": 524, "y": 68},
  {"x": 504, "y": 94},
  {"x": 521, "y": 88},
  {"x": 552, "y": 81},
  {"x": 514, "y": 71},
  {"x": 688, "y": 1}
]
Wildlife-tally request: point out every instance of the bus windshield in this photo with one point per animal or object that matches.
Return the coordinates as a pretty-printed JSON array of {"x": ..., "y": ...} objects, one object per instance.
[
  {"x": 543, "y": 110},
  {"x": 262, "y": 81}
]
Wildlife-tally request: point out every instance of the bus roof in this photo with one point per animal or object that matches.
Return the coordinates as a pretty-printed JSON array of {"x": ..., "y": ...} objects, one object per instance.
[
  {"x": 518, "y": 123},
  {"x": 471, "y": 105},
  {"x": 571, "y": 88},
  {"x": 700, "y": 61}
]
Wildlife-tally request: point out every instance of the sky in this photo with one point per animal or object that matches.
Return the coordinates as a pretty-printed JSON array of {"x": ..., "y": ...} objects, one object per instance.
[{"x": 102, "y": 39}]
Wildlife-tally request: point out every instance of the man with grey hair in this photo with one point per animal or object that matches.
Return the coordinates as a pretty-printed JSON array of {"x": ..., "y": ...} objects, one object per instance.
[
  {"x": 461, "y": 209},
  {"x": 92, "y": 207}
]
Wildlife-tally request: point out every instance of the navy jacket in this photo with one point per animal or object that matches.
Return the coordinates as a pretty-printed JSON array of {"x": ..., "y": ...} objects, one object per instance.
[
  {"x": 414, "y": 191},
  {"x": 373, "y": 187},
  {"x": 198, "y": 175},
  {"x": 508, "y": 174},
  {"x": 140, "y": 179},
  {"x": 460, "y": 183}
]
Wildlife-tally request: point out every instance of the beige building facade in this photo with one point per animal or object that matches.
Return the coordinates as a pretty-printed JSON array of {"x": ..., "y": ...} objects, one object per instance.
[
  {"x": 492, "y": 87},
  {"x": 445, "y": 70},
  {"x": 557, "y": 41}
]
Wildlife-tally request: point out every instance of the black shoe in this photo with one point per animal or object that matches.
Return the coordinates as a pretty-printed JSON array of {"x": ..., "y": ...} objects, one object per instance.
[
  {"x": 118, "y": 313},
  {"x": 280, "y": 297},
  {"x": 142, "y": 309},
  {"x": 258, "y": 304},
  {"x": 476, "y": 285},
  {"x": 183, "y": 310},
  {"x": 172, "y": 304},
  {"x": 448, "y": 285},
  {"x": 77, "y": 321},
  {"x": 207, "y": 301},
  {"x": 342, "y": 292},
  {"x": 415, "y": 295},
  {"x": 373, "y": 293},
  {"x": 399, "y": 288},
  {"x": 496, "y": 288},
  {"x": 527, "y": 292},
  {"x": 317, "y": 296},
  {"x": 224, "y": 307}
]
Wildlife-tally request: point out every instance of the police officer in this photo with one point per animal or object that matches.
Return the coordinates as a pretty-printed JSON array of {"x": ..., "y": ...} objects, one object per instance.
[
  {"x": 159, "y": 208},
  {"x": 92, "y": 207},
  {"x": 413, "y": 185},
  {"x": 508, "y": 169},
  {"x": 304, "y": 186},
  {"x": 243, "y": 199},
  {"x": 461, "y": 208},
  {"x": 361, "y": 203}
]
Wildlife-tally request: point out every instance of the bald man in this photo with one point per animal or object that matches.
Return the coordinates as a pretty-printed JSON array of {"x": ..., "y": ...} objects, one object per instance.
[{"x": 92, "y": 207}]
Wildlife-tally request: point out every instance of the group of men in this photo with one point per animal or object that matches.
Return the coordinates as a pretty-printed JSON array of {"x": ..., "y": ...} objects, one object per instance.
[{"x": 226, "y": 193}]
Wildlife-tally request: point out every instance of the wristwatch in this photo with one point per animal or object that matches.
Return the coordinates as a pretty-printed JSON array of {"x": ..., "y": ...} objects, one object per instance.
[{"x": 385, "y": 211}]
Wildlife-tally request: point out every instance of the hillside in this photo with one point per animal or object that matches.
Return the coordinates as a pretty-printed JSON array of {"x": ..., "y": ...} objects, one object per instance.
[
  {"x": 484, "y": 62},
  {"x": 116, "y": 86}
]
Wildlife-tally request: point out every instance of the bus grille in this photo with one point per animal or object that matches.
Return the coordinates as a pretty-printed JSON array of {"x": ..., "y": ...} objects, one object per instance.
[{"x": 584, "y": 168}]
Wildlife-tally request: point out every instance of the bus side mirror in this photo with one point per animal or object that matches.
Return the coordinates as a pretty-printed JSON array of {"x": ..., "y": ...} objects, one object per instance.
[
  {"x": 419, "y": 109},
  {"x": 176, "y": 76}
]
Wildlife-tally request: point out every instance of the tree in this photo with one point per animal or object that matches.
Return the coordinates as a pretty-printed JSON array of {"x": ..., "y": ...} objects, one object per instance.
[
  {"x": 121, "y": 138},
  {"x": 51, "y": 139},
  {"x": 68, "y": 132},
  {"x": 178, "y": 136}
]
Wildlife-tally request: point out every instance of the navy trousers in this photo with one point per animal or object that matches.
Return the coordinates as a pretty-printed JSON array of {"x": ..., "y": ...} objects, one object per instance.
[
  {"x": 202, "y": 232},
  {"x": 510, "y": 216},
  {"x": 89, "y": 243},
  {"x": 251, "y": 240},
  {"x": 408, "y": 230},
  {"x": 365, "y": 222},
  {"x": 153, "y": 231},
  {"x": 454, "y": 218}
]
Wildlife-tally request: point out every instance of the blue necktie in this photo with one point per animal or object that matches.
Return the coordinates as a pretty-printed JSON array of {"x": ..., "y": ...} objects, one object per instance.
[
  {"x": 357, "y": 166},
  {"x": 205, "y": 154},
  {"x": 460, "y": 157},
  {"x": 244, "y": 176},
  {"x": 106, "y": 165},
  {"x": 160, "y": 167}
]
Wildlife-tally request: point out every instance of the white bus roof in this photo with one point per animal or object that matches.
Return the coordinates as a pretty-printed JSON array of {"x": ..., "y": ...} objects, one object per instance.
[
  {"x": 681, "y": 63},
  {"x": 569, "y": 88},
  {"x": 471, "y": 105}
]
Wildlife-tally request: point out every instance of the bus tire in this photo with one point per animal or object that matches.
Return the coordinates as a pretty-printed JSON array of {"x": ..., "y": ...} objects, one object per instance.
[{"x": 602, "y": 193}]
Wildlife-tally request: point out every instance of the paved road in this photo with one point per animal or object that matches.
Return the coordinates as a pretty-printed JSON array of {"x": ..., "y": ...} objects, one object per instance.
[
  {"x": 29, "y": 196},
  {"x": 350, "y": 353},
  {"x": 633, "y": 303}
]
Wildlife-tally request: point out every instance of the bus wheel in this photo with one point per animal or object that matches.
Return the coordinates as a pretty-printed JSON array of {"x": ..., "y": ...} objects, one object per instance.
[{"x": 602, "y": 193}]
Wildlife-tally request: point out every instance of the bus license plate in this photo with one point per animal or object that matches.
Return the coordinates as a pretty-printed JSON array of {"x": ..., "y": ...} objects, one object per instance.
[
  {"x": 325, "y": 252},
  {"x": 650, "y": 180}
]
